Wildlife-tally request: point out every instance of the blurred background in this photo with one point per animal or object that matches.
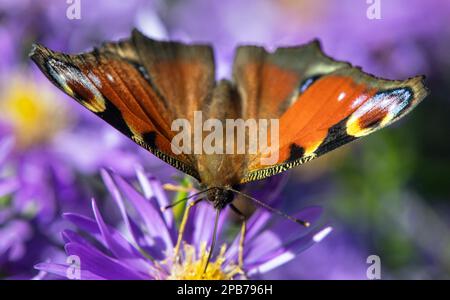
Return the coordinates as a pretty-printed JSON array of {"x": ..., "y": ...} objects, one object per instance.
[{"x": 386, "y": 195}]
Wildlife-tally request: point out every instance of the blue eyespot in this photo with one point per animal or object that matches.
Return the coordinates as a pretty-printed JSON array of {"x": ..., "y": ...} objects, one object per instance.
[
  {"x": 308, "y": 82},
  {"x": 400, "y": 99}
]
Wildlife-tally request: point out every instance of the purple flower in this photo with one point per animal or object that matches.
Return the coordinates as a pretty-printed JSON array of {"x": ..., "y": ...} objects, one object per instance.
[
  {"x": 338, "y": 257},
  {"x": 391, "y": 46},
  {"x": 24, "y": 22},
  {"x": 49, "y": 168},
  {"x": 11, "y": 245},
  {"x": 145, "y": 245},
  {"x": 57, "y": 146},
  {"x": 16, "y": 232}
]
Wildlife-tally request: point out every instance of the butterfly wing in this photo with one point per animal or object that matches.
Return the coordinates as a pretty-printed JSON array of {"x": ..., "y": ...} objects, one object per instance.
[
  {"x": 269, "y": 83},
  {"x": 320, "y": 103},
  {"x": 139, "y": 86}
]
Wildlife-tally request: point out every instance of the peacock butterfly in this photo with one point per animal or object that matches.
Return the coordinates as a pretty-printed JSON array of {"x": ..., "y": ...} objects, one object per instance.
[{"x": 141, "y": 86}]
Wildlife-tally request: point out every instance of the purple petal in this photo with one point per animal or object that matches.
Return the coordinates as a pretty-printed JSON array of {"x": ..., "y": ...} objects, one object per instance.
[
  {"x": 61, "y": 270},
  {"x": 13, "y": 237},
  {"x": 200, "y": 225},
  {"x": 6, "y": 145},
  {"x": 268, "y": 189},
  {"x": 6, "y": 213},
  {"x": 255, "y": 224},
  {"x": 281, "y": 233},
  {"x": 152, "y": 189},
  {"x": 259, "y": 244},
  {"x": 203, "y": 223},
  {"x": 90, "y": 226},
  {"x": 152, "y": 218},
  {"x": 118, "y": 245},
  {"x": 101, "y": 265},
  {"x": 70, "y": 236},
  {"x": 8, "y": 186},
  {"x": 40, "y": 276},
  {"x": 286, "y": 253},
  {"x": 82, "y": 222},
  {"x": 119, "y": 249},
  {"x": 135, "y": 233}
]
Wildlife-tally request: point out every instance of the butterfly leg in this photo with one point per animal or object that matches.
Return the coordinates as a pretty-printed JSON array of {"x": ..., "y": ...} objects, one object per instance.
[
  {"x": 242, "y": 239},
  {"x": 183, "y": 226}
]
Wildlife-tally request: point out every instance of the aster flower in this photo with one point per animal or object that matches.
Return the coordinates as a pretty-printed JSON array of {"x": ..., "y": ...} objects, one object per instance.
[
  {"x": 25, "y": 21},
  {"x": 56, "y": 148},
  {"x": 54, "y": 164},
  {"x": 8, "y": 185},
  {"x": 41, "y": 156},
  {"x": 14, "y": 234},
  {"x": 149, "y": 246},
  {"x": 338, "y": 257}
]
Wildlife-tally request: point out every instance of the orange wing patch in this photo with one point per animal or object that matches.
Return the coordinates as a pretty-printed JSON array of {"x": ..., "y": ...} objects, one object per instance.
[{"x": 334, "y": 110}]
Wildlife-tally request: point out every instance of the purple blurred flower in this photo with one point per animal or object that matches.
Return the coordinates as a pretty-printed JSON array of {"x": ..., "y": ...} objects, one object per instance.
[
  {"x": 391, "y": 46},
  {"x": 40, "y": 157},
  {"x": 338, "y": 257},
  {"x": 145, "y": 247},
  {"x": 26, "y": 21},
  {"x": 74, "y": 137},
  {"x": 11, "y": 244},
  {"x": 57, "y": 146},
  {"x": 17, "y": 233},
  {"x": 54, "y": 164}
]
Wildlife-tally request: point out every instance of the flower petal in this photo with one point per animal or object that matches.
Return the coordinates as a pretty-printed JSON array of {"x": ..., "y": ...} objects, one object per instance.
[
  {"x": 200, "y": 225},
  {"x": 99, "y": 264},
  {"x": 258, "y": 243},
  {"x": 152, "y": 218},
  {"x": 203, "y": 223},
  {"x": 90, "y": 226},
  {"x": 152, "y": 189},
  {"x": 134, "y": 232},
  {"x": 13, "y": 237},
  {"x": 6, "y": 145},
  {"x": 61, "y": 270},
  {"x": 8, "y": 186},
  {"x": 118, "y": 245},
  {"x": 286, "y": 253}
]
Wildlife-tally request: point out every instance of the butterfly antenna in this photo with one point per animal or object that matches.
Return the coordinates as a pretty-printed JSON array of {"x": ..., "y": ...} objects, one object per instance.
[
  {"x": 163, "y": 209},
  {"x": 213, "y": 242},
  {"x": 271, "y": 209}
]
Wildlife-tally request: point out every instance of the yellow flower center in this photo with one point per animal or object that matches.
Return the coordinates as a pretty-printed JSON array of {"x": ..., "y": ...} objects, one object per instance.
[
  {"x": 190, "y": 265},
  {"x": 31, "y": 111}
]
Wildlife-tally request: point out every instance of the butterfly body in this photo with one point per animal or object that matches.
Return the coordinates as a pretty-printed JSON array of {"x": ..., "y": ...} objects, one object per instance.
[
  {"x": 141, "y": 87},
  {"x": 220, "y": 169}
]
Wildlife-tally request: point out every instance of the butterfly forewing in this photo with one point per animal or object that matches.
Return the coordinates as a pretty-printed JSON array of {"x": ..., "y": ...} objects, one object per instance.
[
  {"x": 334, "y": 109},
  {"x": 269, "y": 83},
  {"x": 139, "y": 86}
]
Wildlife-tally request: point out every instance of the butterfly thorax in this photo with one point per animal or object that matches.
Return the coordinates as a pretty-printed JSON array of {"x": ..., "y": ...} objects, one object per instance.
[{"x": 221, "y": 169}]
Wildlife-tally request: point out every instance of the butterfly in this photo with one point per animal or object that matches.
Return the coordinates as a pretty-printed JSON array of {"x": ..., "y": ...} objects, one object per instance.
[{"x": 140, "y": 86}]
